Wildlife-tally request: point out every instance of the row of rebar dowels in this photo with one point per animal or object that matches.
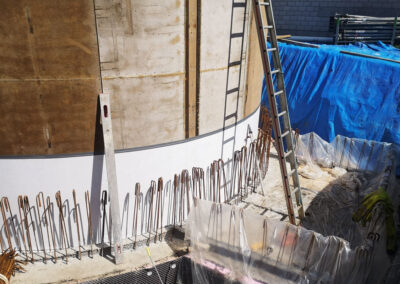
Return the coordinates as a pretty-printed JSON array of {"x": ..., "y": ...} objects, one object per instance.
[{"x": 219, "y": 183}]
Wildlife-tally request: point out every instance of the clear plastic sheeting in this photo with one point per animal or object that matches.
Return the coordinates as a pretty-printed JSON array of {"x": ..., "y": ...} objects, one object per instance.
[
  {"x": 244, "y": 247},
  {"x": 314, "y": 153}
]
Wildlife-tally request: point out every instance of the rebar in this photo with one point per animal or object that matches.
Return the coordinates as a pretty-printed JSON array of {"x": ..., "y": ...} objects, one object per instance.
[
  {"x": 5, "y": 206},
  {"x": 38, "y": 205},
  {"x": 24, "y": 222},
  {"x": 158, "y": 206},
  {"x": 89, "y": 216},
  {"x": 62, "y": 223},
  {"x": 136, "y": 211},
  {"x": 48, "y": 209},
  {"x": 77, "y": 223}
]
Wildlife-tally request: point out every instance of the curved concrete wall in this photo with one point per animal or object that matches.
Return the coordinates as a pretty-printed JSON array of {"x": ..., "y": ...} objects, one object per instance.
[
  {"x": 57, "y": 56},
  {"x": 86, "y": 172}
]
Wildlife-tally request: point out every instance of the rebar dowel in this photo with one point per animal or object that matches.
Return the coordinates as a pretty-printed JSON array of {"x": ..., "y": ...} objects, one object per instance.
[
  {"x": 89, "y": 216},
  {"x": 63, "y": 228},
  {"x": 42, "y": 203},
  {"x": 77, "y": 223},
  {"x": 136, "y": 211},
  {"x": 24, "y": 222},
  {"x": 8, "y": 209},
  {"x": 175, "y": 195},
  {"x": 5, "y": 222},
  {"x": 150, "y": 218},
  {"x": 28, "y": 208},
  {"x": 159, "y": 196},
  {"x": 48, "y": 209},
  {"x": 38, "y": 205}
]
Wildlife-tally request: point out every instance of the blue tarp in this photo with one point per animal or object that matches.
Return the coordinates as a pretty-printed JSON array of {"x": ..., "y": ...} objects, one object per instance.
[{"x": 331, "y": 93}]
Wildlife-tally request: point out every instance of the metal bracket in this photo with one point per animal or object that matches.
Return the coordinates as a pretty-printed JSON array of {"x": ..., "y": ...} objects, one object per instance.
[{"x": 111, "y": 175}]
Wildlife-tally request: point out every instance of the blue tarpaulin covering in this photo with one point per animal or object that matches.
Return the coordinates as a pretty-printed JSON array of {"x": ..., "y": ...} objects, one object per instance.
[{"x": 331, "y": 93}]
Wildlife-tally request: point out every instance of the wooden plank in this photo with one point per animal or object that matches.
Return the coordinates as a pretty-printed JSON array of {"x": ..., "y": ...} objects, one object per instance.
[
  {"x": 111, "y": 176},
  {"x": 254, "y": 72},
  {"x": 192, "y": 70}
]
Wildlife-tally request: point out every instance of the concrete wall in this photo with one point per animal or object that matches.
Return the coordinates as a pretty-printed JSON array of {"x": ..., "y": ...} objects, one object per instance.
[
  {"x": 49, "y": 77},
  {"x": 311, "y": 17},
  {"x": 86, "y": 172},
  {"x": 57, "y": 56}
]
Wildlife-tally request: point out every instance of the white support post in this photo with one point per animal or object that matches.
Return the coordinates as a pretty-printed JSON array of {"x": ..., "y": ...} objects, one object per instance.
[{"x": 111, "y": 175}]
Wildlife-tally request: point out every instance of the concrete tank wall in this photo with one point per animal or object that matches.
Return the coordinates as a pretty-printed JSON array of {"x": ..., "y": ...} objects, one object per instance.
[{"x": 57, "y": 56}]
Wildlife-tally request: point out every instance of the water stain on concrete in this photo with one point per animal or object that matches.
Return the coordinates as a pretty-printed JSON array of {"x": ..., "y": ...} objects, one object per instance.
[{"x": 175, "y": 40}]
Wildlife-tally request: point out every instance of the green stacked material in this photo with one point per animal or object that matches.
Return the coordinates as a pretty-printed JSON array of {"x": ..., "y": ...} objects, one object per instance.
[{"x": 364, "y": 214}]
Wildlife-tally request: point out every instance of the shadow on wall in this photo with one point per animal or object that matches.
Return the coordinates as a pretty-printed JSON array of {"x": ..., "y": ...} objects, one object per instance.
[
  {"x": 233, "y": 79},
  {"x": 51, "y": 232}
]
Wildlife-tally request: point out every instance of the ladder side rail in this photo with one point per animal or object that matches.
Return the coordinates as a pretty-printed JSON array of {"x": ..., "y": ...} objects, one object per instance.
[
  {"x": 272, "y": 103},
  {"x": 284, "y": 107}
]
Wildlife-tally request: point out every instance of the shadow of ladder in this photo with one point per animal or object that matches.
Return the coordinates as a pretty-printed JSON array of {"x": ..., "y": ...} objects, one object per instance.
[{"x": 229, "y": 134}]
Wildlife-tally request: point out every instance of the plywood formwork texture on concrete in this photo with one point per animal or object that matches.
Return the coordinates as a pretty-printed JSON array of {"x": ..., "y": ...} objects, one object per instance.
[
  {"x": 142, "y": 58},
  {"x": 215, "y": 36},
  {"x": 56, "y": 57},
  {"x": 49, "y": 76}
]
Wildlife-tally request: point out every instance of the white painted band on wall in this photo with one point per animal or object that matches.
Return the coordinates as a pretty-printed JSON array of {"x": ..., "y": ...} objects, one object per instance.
[{"x": 87, "y": 172}]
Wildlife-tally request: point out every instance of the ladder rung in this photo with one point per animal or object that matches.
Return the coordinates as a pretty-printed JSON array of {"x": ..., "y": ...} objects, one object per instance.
[
  {"x": 271, "y": 49},
  {"x": 275, "y": 71},
  {"x": 229, "y": 139},
  {"x": 281, "y": 113},
  {"x": 297, "y": 189},
  {"x": 263, "y": 3},
  {"x": 284, "y": 134},
  {"x": 235, "y": 63},
  {"x": 230, "y": 116},
  {"x": 239, "y": 5},
  {"x": 287, "y": 154},
  {"x": 237, "y": 35},
  {"x": 267, "y": 27},
  {"x": 278, "y": 93},
  {"x": 232, "y": 91}
]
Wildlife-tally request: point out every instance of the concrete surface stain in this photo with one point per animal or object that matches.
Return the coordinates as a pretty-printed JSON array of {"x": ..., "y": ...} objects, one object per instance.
[
  {"x": 79, "y": 45},
  {"x": 175, "y": 40}
]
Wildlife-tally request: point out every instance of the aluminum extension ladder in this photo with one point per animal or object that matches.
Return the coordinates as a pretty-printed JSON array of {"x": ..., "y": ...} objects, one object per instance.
[{"x": 279, "y": 109}]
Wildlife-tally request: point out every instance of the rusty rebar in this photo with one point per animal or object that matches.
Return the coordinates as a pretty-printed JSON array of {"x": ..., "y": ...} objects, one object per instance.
[
  {"x": 45, "y": 212},
  {"x": 3, "y": 206},
  {"x": 22, "y": 206},
  {"x": 89, "y": 216},
  {"x": 77, "y": 223},
  {"x": 48, "y": 209},
  {"x": 38, "y": 205},
  {"x": 62, "y": 221},
  {"x": 176, "y": 181},
  {"x": 150, "y": 217},
  {"x": 136, "y": 211},
  {"x": 159, "y": 200}
]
